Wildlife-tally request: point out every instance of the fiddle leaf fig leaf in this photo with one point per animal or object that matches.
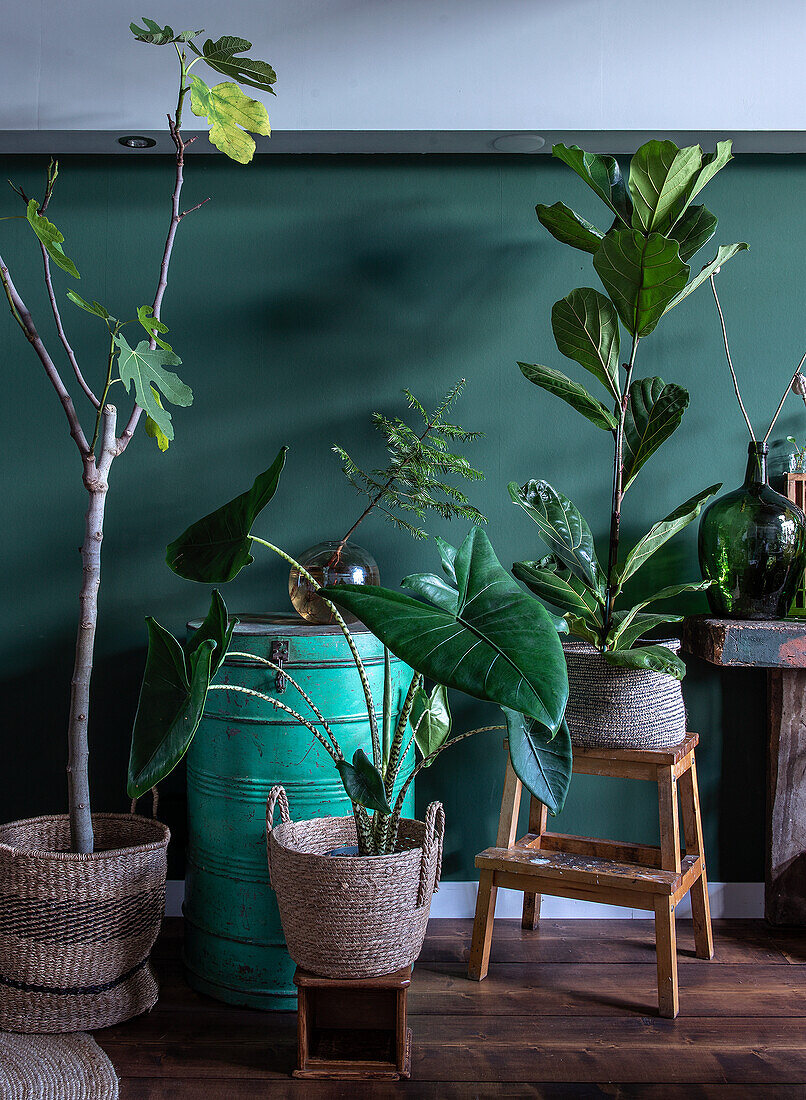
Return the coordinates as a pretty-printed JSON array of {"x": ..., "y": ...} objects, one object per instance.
[
  {"x": 153, "y": 326},
  {"x": 573, "y": 393},
  {"x": 96, "y": 308},
  {"x": 562, "y": 527},
  {"x": 724, "y": 253},
  {"x": 153, "y": 430},
  {"x": 602, "y": 175},
  {"x": 364, "y": 783},
  {"x": 51, "y": 238},
  {"x": 654, "y": 410},
  {"x": 628, "y": 627},
  {"x": 220, "y": 55},
  {"x": 499, "y": 644},
  {"x": 693, "y": 230},
  {"x": 661, "y": 179},
  {"x": 146, "y": 369},
  {"x": 711, "y": 164},
  {"x": 556, "y": 585},
  {"x": 585, "y": 326},
  {"x": 540, "y": 759},
  {"x": 568, "y": 227},
  {"x": 155, "y": 35},
  {"x": 216, "y": 548},
  {"x": 654, "y": 658},
  {"x": 230, "y": 113},
  {"x": 641, "y": 274},
  {"x": 431, "y": 719},
  {"x": 661, "y": 532}
]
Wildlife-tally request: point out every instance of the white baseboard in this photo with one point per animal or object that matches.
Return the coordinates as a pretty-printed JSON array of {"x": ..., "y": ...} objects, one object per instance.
[{"x": 458, "y": 899}]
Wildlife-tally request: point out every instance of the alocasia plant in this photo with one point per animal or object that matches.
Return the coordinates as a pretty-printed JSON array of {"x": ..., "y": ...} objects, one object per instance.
[
  {"x": 642, "y": 262},
  {"x": 475, "y": 631},
  {"x": 139, "y": 364}
]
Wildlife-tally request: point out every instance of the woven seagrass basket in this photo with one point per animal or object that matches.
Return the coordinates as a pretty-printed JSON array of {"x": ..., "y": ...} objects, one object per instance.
[
  {"x": 352, "y": 916},
  {"x": 76, "y": 931},
  {"x": 621, "y": 708}
]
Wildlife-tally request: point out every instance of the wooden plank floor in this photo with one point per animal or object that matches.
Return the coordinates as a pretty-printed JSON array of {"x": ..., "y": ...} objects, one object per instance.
[{"x": 568, "y": 1010}]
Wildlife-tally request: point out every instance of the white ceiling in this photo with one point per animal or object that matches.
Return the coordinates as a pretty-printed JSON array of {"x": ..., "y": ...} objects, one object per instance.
[{"x": 425, "y": 64}]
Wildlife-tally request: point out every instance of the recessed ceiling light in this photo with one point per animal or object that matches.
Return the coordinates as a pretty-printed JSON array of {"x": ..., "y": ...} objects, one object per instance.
[
  {"x": 519, "y": 143},
  {"x": 137, "y": 141}
]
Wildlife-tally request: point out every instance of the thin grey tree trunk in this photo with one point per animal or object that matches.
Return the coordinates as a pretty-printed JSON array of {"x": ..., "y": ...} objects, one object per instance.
[{"x": 78, "y": 785}]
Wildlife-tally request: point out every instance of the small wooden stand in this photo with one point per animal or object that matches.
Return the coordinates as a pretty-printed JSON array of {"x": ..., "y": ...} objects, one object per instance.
[
  {"x": 353, "y": 1029},
  {"x": 634, "y": 875}
]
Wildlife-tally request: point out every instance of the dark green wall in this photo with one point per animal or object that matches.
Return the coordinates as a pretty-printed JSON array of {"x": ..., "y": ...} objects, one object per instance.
[{"x": 305, "y": 296}]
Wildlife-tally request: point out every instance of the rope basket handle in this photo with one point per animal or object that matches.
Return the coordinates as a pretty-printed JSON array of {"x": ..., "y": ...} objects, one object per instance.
[
  {"x": 276, "y": 794},
  {"x": 434, "y": 835},
  {"x": 155, "y": 801}
]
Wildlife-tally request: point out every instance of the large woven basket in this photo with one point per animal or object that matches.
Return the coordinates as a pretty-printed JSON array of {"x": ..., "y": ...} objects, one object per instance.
[
  {"x": 352, "y": 916},
  {"x": 76, "y": 931},
  {"x": 621, "y": 708}
]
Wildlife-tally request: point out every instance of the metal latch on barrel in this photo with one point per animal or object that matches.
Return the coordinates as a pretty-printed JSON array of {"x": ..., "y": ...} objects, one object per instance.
[{"x": 278, "y": 655}]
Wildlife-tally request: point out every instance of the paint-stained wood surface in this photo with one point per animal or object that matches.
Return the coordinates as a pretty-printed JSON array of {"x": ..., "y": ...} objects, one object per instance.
[
  {"x": 564, "y": 1013},
  {"x": 746, "y": 643},
  {"x": 779, "y": 647}
]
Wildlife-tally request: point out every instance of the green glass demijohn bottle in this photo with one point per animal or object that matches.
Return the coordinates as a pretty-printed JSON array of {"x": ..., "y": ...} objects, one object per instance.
[{"x": 752, "y": 545}]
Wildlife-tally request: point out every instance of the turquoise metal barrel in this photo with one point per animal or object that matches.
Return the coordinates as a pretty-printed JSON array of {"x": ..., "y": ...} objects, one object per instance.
[{"x": 234, "y": 946}]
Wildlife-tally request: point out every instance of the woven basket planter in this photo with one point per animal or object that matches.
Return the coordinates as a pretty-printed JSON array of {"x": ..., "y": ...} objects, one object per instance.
[
  {"x": 621, "y": 708},
  {"x": 352, "y": 916},
  {"x": 76, "y": 931}
]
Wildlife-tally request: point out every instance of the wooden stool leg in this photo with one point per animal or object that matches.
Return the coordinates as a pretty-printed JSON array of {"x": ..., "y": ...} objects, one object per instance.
[
  {"x": 482, "y": 928},
  {"x": 531, "y": 902},
  {"x": 692, "y": 830},
  {"x": 485, "y": 900},
  {"x": 666, "y": 948},
  {"x": 669, "y": 822}
]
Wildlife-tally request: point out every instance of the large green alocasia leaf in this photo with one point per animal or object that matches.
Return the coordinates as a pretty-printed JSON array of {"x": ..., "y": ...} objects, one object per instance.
[
  {"x": 563, "y": 528},
  {"x": 585, "y": 327},
  {"x": 724, "y": 253},
  {"x": 641, "y": 274},
  {"x": 363, "y": 783},
  {"x": 221, "y": 56},
  {"x": 431, "y": 719},
  {"x": 661, "y": 532},
  {"x": 542, "y": 763},
  {"x": 433, "y": 589},
  {"x": 447, "y": 554},
  {"x": 654, "y": 410},
  {"x": 568, "y": 227},
  {"x": 500, "y": 643},
  {"x": 661, "y": 179},
  {"x": 654, "y": 658},
  {"x": 695, "y": 229},
  {"x": 602, "y": 175},
  {"x": 556, "y": 585},
  {"x": 146, "y": 369},
  {"x": 231, "y": 113},
  {"x": 172, "y": 695},
  {"x": 216, "y": 548},
  {"x": 573, "y": 393},
  {"x": 51, "y": 238}
]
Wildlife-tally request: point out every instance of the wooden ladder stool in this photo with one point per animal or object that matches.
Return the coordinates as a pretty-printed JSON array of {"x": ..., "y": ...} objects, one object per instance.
[{"x": 637, "y": 876}]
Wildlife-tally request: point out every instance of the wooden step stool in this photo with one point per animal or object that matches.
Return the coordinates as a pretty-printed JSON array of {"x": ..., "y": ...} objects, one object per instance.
[{"x": 634, "y": 875}]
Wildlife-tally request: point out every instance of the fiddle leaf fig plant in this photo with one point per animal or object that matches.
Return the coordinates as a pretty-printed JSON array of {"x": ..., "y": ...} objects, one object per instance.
[
  {"x": 178, "y": 677},
  {"x": 642, "y": 263},
  {"x": 476, "y": 632}
]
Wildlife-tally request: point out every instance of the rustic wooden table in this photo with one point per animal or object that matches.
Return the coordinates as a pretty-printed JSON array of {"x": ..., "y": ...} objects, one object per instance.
[{"x": 780, "y": 647}]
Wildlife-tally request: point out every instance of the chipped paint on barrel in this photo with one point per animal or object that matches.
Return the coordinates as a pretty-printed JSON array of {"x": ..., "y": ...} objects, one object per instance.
[{"x": 234, "y": 946}]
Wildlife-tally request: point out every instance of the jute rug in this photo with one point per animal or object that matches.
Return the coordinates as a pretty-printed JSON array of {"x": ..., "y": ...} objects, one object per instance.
[{"x": 55, "y": 1067}]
